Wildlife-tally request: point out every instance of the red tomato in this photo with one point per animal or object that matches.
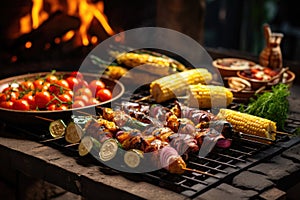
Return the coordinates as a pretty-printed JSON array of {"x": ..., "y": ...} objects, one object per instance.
[
  {"x": 62, "y": 107},
  {"x": 70, "y": 93},
  {"x": 21, "y": 104},
  {"x": 38, "y": 84},
  {"x": 77, "y": 75},
  {"x": 63, "y": 83},
  {"x": 83, "y": 98},
  {"x": 96, "y": 85},
  {"x": 78, "y": 103},
  {"x": 6, "y": 104},
  {"x": 51, "y": 78},
  {"x": 13, "y": 96},
  {"x": 3, "y": 97},
  {"x": 56, "y": 90},
  {"x": 73, "y": 82},
  {"x": 31, "y": 100},
  {"x": 93, "y": 101},
  {"x": 104, "y": 95},
  {"x": 26, "y": 85},
  {"x": 65, "y": 98},
  {"x": 51, "y": 106},
  {"x": 42, "y": 99},
  {"x": 84, "y": 91}
]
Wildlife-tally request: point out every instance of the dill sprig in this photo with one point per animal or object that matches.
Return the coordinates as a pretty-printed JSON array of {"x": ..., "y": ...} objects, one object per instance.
[{"x": 272, "y": 105}]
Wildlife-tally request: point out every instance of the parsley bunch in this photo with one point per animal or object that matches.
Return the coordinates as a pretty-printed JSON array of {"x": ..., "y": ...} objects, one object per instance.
[{"x": 272, "y": 105}]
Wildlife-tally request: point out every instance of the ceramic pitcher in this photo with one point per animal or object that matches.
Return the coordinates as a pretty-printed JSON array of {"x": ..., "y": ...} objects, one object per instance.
[{"x": 271, "y": 55}]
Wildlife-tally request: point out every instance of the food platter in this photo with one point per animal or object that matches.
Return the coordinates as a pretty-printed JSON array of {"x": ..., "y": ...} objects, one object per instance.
[
  {"x": 230, "y": 66},
  {"x": 39, "y": 117}
]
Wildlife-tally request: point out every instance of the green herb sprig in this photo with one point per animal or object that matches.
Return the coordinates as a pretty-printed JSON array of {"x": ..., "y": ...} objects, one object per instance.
[{"x": 272, "y": 105}]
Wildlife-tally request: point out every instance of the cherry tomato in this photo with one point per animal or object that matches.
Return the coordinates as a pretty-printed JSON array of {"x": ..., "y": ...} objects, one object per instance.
[
  {"x": 51, "y": 106},
  {"x": 96, "y": 85},
  {"x": 65, "y": 98},
  {"x": 51, "y": 78},
  {"x": 13, "y": 96},
  {"x": 56, "y": 90},
  {"x": 38, "y": 84},
  {"x": 70, "y": 93},
  {"x": 78, "y": 103},
  {"x": 63, "y": 83},
  {"x": 83, "y": 98},
  {"x": 42, "y": 99},
  {"x": 73, "y": 82},
  {"x": 93, "y": 101},
  {"x": 104, "y": 95},
  {"x": 3, "y": 97},
  {"x": 30, "y": 99},
  {"x": 84, "y": 91},
  {"x": 21, "y": 104},
  {"x": 62, "y": 107},
  {"x": 26, "y": 85},
  {"x": 77, "y": 75},
  {"x": 6, "y": 104}
]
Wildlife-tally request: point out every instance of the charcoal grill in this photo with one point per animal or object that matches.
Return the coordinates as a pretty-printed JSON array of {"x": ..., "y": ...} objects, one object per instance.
[{"x": 220, "y": 164}]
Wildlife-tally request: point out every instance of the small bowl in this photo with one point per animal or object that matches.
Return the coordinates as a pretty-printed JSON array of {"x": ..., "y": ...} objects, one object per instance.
[
  {"x": 255, "y": 83},
  {"x": 288, "y": 78},
  {"x": 230, "y": 66}
]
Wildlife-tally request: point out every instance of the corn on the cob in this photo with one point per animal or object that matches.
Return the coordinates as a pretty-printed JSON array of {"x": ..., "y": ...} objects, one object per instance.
[
  {"x": 249, "y": 124},
  {"x": 147, "y": 62},
  {"x": 208, "y": 96},
  {"x": 169, "y": 87}
]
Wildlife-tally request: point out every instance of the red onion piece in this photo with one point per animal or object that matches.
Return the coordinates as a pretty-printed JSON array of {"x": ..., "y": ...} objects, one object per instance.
[{"x": 223, "y": 143}]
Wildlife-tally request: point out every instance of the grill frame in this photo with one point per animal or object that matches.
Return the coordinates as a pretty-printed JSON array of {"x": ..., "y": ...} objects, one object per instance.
[{"x": 223, "y": 163}]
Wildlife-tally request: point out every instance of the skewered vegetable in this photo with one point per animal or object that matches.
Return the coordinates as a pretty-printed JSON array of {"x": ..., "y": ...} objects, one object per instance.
[
  {"x": 249, "y": 124},
  {"x": 86, "y": 145},
  {"x": 154, "y": 64},
  {"x": 169, "y": 87},
  {"x": 108, "y": 149},
  {"x": 73, "y": 133},
  {"x": 132, "y": 158},
  {"x": 171, "y": 160},
  {"x": 57, "y": 128},
  {"x": 208, "y": 96}
]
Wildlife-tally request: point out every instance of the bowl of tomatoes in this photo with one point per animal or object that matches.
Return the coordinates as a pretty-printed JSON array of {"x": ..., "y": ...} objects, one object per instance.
[{"x": 46, "y": 96}]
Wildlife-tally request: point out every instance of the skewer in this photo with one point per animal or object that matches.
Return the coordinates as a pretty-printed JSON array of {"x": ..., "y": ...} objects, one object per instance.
[
  {"x": 143, "y": 98},
  {"x": 70, "y": 145},
  {"x": 44, "y": 118},
  {"x": 284, "y": 133},
  {"x": 201, "y": 172},
  {"x": 52, "y": 139}
]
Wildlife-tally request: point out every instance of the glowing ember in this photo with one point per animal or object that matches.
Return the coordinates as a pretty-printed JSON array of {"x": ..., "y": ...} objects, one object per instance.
[{"x": 81, "y": 9}]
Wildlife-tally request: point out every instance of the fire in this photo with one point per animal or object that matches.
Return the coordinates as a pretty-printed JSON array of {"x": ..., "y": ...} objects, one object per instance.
[{"x": 82, "y": 9}]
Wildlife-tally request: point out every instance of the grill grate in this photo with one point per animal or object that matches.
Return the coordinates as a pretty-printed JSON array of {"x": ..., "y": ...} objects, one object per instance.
[{"x": 220, "y": 164}]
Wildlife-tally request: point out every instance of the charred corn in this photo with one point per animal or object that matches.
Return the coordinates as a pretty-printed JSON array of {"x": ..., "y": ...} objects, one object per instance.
[
  {"x": 147, "y": 62},
  {"x": 249, "y": 124},
  {"x": 169, "y": 87},
  {"x": 116, "y": 72},
  {"x": 208, "y": 96}
]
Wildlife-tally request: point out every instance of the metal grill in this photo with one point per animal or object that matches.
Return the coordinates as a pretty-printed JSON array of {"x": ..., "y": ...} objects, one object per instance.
[{"x": 220, "y": 164}]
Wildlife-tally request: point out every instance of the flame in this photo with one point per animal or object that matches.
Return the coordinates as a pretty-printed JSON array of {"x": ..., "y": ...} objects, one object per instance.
[{"x": 82, "y": 9}]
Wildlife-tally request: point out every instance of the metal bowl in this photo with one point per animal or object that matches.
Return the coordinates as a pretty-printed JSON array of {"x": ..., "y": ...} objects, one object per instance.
[{"x": 16, "y": 117}]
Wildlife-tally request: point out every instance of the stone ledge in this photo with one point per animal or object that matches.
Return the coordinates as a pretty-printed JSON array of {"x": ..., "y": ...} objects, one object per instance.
[
  {"x": 273, "y": 194},
  {"x": 252, "y": 181},
  {"x": 293, "y": 153},
  {"x": 277, "y": 168}
]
